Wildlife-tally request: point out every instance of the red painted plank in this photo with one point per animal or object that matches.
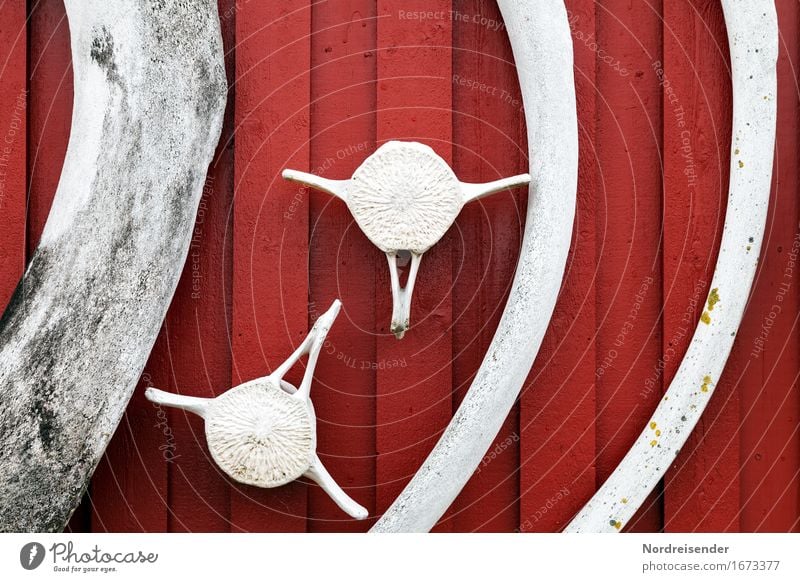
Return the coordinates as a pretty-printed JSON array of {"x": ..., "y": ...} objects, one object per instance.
[
  {"x": 414, "y": 104},
  {"x": 487, "y": 125},
  {"x": 13, "y": 144},
  {"x": 130, "y": 486},
  {"x": 627, "y": 42},
  {"x": 557, "y": 471},
  {"x": 342, "y": 261},
  {"x": 769, "y": 494},
  {"x": 270, "y": 222},
  {"x": 50, "y": 111},
  {"x": 198, "y": 332},
  {"x": 701, "y": 488}
]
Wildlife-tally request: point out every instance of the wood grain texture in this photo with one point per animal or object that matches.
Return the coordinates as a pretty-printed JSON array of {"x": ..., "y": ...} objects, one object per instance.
[
  {"x": 486, "y": 247},
  {"x": 270, "y": 222},
  {"x": 342, "y": 261},
  {"x": 14, "y": 98},
  {"x": 769, "y": 441},
  {"x": 628, "y": 215},
  {"x": 696, "y": 129},
  {"x": 198, "y": 333}
]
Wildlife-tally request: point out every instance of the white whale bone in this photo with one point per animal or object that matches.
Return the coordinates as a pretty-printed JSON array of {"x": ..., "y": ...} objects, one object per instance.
[
  {"x": 404, "y": 197},
  {"x": 80, "y": 327},
  {"x": 540, "y": 37},
  {"x": 319, "y": 474},
  {"x": 753, "y": 38},
  {"x": 263, "y": 432},
  {"x": 198, "y": 406},
  {"x": 401, "y": 296}
]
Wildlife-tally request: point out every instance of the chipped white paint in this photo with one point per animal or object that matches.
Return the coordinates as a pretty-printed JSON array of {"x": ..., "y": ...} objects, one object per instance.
[
  {"x": 404, "y": 197},
  {"x": 263, "y": 433},
  {"x": 77, "y": 333},
  {"x": 753, "y": 38},
  {"x": 540, "y": 38}
]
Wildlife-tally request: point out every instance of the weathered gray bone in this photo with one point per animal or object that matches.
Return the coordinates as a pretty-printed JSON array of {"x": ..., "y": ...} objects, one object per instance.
[
  {"x": 404, "y": 197},
  {"x": 753, "y": 38},
  {"x": 150, "y": 94},
  {"x": 540, "y": 37},
  {"x": 263, "y": 432}
]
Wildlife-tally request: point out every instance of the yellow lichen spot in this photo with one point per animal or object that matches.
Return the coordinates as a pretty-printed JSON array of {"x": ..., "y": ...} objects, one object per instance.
[
  {"x": 736, "y": 152},
  {"x": 741, "y": 164},
  {"x": 748, "y": 248},
  {"x": 624, "y": 500},
  {"x": 704, "y": 388},
  {"x": 706, "y": 383},
  {"x": 653, "y": 443},
  {"x": 707, "y": 379},
  {"x": 713, "y": 299},
  {"x": 705, "y": 318},
  {"x": 653, "y": 425},
  {"x": 618, "y": 525},
  {"x": 658, "y": 433}
]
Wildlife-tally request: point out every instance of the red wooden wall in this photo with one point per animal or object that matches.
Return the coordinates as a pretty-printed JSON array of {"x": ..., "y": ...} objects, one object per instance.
[{"x": 318, "y": 87}]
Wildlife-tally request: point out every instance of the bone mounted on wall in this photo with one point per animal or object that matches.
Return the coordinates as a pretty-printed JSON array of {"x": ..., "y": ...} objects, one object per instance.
[
  {"x": 753, "y": 38},
  {"x": 150, "y": 93},
  {"x": 404, "y": 197},
  {"x": 541, "y": 41}
]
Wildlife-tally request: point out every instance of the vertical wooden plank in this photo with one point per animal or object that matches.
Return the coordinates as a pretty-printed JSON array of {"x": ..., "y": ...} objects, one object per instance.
[
  {"x": 270, "y": 222},
  {"x": 198, "y": 333},
  {"x": 629, "y": 113},
  {"x": 487, "y": 123},
  {"x": 50, "y": 112},
  {"x": 414, "y": 103},
  {"x": 129, "y": 490},
  {"x": 701, "y": 488},
  {"x": 557, "y": 470},
  {"x": 769, "y": 492},
  {"x": 342, "y": 261},
  {"x": 13, "y": 144}
]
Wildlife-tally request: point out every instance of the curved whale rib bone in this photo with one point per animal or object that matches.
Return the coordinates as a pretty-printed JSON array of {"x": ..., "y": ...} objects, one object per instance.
[
  {"x": 541, "y": 40},
  {"x": 404, "y": 197},
  {"x": 753, "y": 38},
  {"x": 263, "y": 432},
  {"x": 80, "y": 327}
]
